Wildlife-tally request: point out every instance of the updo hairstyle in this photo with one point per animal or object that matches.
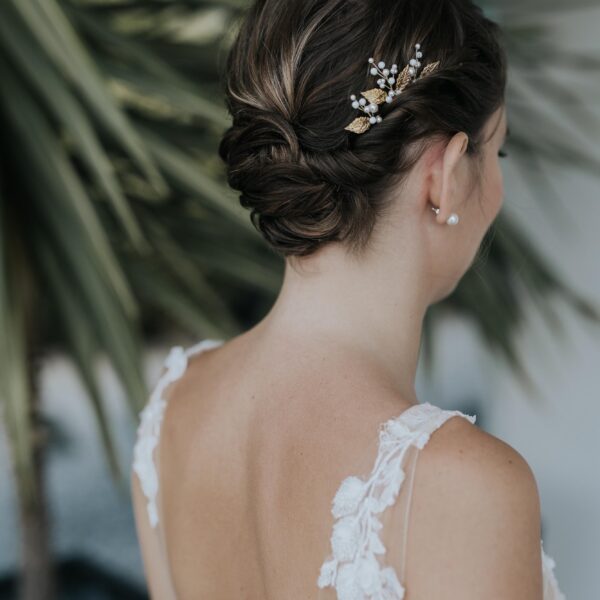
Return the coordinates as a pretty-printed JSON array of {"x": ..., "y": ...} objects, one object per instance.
[{"x": 288, "y": 80}]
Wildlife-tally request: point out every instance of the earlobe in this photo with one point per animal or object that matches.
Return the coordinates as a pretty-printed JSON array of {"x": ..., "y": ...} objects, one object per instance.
[
  {"x": 451, "y": 220},
  {"x": 446, "y": 179}
]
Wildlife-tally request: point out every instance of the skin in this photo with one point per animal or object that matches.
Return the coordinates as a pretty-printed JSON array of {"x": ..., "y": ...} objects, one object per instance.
[
  {"x": 375, "y": 306},
  {"x": 259, "y": 433}
]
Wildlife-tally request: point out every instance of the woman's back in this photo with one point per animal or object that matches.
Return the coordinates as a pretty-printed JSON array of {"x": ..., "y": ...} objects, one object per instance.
[{"x": 252, "y": 453}]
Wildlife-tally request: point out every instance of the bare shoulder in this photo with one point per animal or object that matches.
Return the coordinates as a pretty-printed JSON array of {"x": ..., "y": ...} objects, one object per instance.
[
  {"x": 462, "y": 453},
  {"x": 475, "y": 519}
]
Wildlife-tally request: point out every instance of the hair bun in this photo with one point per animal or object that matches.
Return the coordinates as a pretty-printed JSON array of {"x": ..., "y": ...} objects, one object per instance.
[
  {"x": 296, "y": 199},
  {"x": 289, "y": 76}
]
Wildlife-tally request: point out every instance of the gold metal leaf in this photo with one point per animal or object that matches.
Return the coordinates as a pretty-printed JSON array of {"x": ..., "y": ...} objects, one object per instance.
[
  {"x": 403, "y": 79},
  {"x": 430, "y": 68},
  {"x": 376, "y": 95},
  {"x": 359, "y": 125}
]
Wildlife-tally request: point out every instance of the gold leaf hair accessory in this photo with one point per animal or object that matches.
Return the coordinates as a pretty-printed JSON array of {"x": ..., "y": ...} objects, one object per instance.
[{"x": 371, "y": 100}]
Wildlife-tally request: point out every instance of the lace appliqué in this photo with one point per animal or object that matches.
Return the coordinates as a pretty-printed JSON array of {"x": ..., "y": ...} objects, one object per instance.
[
  {"x": 150, "y": 421},
  {"x": 551, "y": 589},
  {"x": 353, "y": 568}
]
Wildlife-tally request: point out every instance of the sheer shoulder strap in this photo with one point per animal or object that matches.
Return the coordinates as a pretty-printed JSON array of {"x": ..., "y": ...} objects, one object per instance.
[
  {"x": 397, "y": 518},
  {"x": 359, "y": 567},
  {"x": 151, "y": 416},
  {"x": 552, "y": 590}
]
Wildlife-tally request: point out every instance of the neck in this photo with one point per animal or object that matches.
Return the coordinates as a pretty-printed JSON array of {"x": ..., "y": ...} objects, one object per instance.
[{"x": 373, "y": 307}]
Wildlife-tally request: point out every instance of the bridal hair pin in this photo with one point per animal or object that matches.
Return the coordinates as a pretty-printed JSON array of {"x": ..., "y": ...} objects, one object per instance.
[{"x": 369, "y": 104}]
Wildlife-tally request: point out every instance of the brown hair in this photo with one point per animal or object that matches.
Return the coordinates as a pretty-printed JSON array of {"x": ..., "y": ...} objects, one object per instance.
[{"x": 288, "y": 80}]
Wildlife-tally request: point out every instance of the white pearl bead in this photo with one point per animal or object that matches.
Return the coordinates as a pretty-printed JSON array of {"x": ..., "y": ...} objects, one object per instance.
[
  {"x": 452, "y": 219},
  {"x": 353, "y": 97},
  {"x": 382, "y": 85},
  {"x": 411, "y": 71},
  {"x": 363, "y": 101},
  {"x": 412, "y": 62},
  {"x": 386, "y": 72},
  {"x": 419, "y": 54},
  {"x": 388, "y": 99},
  {"x": 381, "y": 65},
  {"x": 374, "y": 71},
  {"x": 355, "y": 104},
  {"x": 391, "y": 80},
  {"x": 373, "y": 107},
  {"x": 417, "y": 46},
  {"x": 371, "y": 60},
  {"x": 373, "y": 120},
  {"x": 379, "y": 119}
]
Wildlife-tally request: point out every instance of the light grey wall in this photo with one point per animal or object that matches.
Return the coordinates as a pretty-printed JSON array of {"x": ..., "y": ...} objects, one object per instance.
[{"x": 558, "y": 433}]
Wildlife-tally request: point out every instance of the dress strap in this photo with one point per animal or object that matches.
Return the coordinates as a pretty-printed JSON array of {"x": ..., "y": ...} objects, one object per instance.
[
  {"x": 552, "y": 590},
  {"x": 353, "y": 567},
  {"x": 151, "y": 418},
  {"x": 427, "y": 419}
]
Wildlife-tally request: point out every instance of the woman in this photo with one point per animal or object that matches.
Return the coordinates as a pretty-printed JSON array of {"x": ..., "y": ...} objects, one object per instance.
[{"x": 365, "y": 141}]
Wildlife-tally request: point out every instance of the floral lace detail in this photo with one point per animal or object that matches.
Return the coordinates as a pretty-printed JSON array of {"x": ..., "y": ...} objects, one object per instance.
[
  {"x": 353, "y": 567},
  {"x": 551, "y": 589},
  {"x": 151, "y": 418}
]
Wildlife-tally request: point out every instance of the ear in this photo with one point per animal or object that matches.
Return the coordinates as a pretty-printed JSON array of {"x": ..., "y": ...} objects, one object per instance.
[{"x": 446, "y": 176}]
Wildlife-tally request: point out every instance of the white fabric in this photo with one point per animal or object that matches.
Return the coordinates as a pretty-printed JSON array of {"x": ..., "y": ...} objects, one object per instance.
[
  {"x": 151, "y": 418},
  {"x": 355, "y": 568}
]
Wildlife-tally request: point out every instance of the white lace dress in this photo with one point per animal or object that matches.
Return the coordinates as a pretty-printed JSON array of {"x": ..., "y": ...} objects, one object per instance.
[{"x": 356, "y": 568}]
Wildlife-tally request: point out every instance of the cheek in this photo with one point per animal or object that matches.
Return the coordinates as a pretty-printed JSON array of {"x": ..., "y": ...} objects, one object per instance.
[
  {"x": 500, "y": 188},
  {"x": 495, "y": 191}
]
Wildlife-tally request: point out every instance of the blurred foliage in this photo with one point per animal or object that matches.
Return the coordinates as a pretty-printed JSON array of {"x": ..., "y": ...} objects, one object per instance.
[
  {"x": 113, "y": 207},
  {"x": 115, "y": 216}
]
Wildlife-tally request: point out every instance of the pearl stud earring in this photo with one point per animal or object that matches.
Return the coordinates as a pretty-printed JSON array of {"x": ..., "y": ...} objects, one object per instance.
[{"x": 451, "y": 220}]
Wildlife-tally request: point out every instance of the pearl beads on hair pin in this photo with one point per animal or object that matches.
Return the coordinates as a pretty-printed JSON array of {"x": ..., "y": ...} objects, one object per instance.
[{"x": 389, "y": 86}]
